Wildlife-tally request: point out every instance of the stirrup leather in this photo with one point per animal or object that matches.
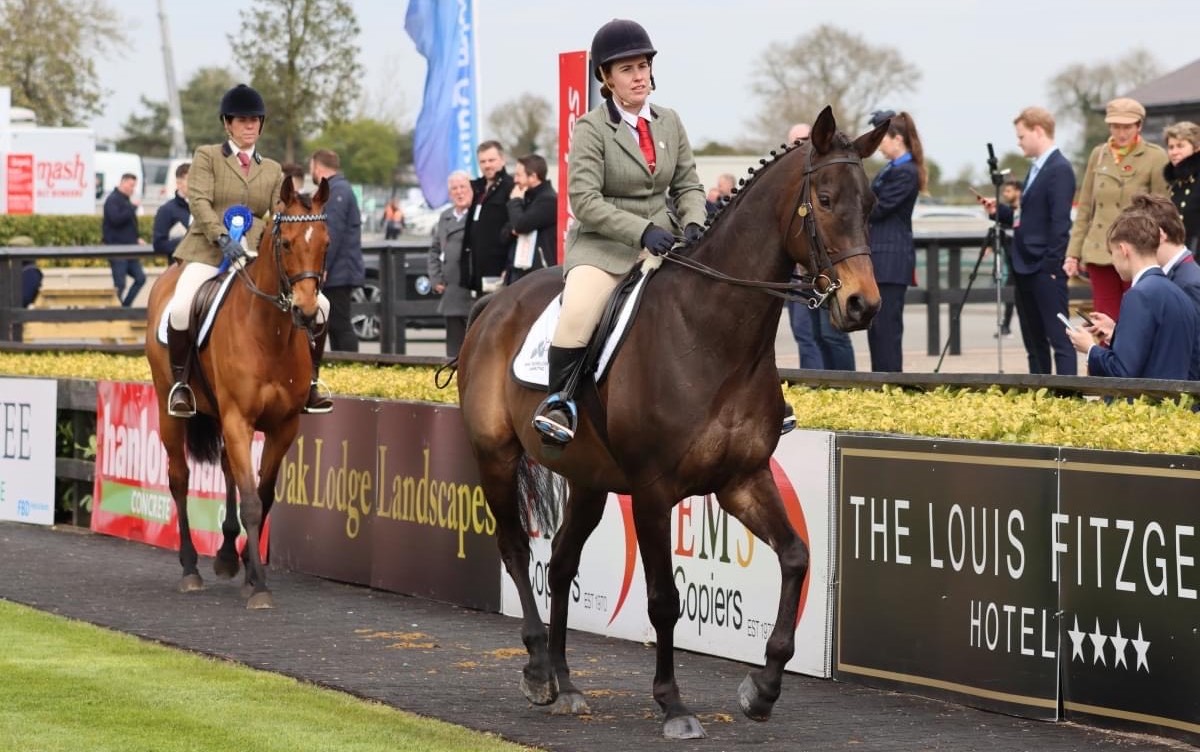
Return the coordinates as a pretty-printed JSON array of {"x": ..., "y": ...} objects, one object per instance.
[
  {"x": 181, "y": 402},
  {"x": 546, "y": 421}
]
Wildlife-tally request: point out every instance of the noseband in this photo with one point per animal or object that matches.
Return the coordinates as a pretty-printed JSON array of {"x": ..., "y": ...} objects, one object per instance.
[{"x": 283, "y": 300}]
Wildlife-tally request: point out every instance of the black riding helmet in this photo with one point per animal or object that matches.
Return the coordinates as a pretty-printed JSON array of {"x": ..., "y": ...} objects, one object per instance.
[
  {"x": 617, "y": 39},
  {"x": 243, "y": 101}
]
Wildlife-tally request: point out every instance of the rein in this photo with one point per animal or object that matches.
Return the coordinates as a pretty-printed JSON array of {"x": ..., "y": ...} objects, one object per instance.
[
  {"x": 283, "y": 299},
  {"x": 821, "y": 276}
]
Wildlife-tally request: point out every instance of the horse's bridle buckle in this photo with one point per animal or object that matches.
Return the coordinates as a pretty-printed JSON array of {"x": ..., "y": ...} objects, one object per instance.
[{"x": 832, "y": 286}]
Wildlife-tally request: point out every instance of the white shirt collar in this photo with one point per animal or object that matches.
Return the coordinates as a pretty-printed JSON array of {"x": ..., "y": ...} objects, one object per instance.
[
  {"x": 1167, "y": 267},
  {"x": 631, "y": 119},
  {"x": 235, "y": 149},
  {"x": 1137, "y": 277}
]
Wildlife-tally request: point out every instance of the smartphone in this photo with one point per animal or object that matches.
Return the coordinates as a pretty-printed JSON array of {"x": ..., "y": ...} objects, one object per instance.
[
  {"x": 977, "y": 193},
  {"x": 1083, "y": 316},
  {"x": 1067, "y": 322}
]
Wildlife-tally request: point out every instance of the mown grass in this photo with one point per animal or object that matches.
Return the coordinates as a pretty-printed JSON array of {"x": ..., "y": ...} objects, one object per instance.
[{"x": 66, "y": 686}]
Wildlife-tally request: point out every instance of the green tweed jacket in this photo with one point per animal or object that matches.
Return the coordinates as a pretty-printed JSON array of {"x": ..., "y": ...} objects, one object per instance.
[
  {"x": 215, "y": 183},
  {"x": 1107, "y": 188},
  {"x": 614, "y": 196}
]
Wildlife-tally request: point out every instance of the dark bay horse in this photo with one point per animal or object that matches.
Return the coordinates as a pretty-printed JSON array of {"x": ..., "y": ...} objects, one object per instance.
[
  {"x": 692, "y": 405},
  {"x": 257, "y": 366}
]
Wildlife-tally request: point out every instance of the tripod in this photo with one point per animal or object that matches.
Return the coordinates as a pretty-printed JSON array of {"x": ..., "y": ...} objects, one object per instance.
[{"x": 994, "y": 240}]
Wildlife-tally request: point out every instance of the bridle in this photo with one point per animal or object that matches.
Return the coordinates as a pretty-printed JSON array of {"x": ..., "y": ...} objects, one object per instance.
[
  {"x": 283, "y": 299},
  {"x": 820, "y": 275}
]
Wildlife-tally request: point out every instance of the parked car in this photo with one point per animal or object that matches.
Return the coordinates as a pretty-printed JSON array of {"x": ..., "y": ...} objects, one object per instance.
[{"x": 416, "y": 287}]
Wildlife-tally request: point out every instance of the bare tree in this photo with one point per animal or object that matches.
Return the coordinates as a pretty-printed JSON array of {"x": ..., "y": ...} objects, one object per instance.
[
  {"x": 1079, "y": 93},
  {"x": 827, "y": 66},
  {"x": 525, "y": 125},
  {"x": 50, "y": 48}
]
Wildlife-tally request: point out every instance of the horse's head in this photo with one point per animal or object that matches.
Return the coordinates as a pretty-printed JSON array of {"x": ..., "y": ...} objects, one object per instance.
[
  {"x": 298, "y": 243},
  {"x": 825, "y": 223}
]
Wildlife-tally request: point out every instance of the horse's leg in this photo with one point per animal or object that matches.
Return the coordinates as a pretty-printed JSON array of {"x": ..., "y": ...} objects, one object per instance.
[
  {"x": 238, "y": 434},
  {"x": 583, "y": 512},
  {"x": 226, "y": 564},
  {"x": 755, "y": 501},
  {"x": 275, "y": 448},
  {"x": 652, "y": 521},
  {"x": 173, "y": 432}
]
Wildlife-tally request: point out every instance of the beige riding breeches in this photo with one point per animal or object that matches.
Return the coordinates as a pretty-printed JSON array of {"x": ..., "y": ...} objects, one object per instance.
[
  {"x": 195, "y": 274},
  {"x": 584, "y": 297}
]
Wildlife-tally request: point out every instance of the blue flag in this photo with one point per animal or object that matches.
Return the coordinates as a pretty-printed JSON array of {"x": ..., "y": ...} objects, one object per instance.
[{"x": 447, "y": 129}]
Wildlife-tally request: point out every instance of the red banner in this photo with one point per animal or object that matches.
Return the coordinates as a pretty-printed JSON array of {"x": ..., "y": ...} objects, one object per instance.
[
  {"x": 572, "y": 104},
  {"x": 19, "y": 180}
]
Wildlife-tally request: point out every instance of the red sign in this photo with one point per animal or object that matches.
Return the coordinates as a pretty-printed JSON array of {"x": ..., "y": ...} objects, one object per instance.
[
  {"x": 572, "y": 104},
  {"x": 19, "y": 179}
]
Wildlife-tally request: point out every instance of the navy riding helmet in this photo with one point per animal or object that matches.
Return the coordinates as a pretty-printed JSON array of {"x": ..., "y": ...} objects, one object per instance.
[
  {"x": 618, "y": 39},
  {"x": 243, "y": 101}
]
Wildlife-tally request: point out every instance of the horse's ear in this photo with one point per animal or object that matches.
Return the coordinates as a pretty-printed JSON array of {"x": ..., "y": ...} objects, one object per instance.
[
  {"x": 322, "y": 194},
  {"x": 823, "y": 131},
  {"x": 868, "y": 143},
  {"x": 287, "y": 191}
]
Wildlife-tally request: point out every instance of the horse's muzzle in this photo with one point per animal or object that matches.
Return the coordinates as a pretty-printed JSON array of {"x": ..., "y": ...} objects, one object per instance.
[{"x": 856, "y": 313}]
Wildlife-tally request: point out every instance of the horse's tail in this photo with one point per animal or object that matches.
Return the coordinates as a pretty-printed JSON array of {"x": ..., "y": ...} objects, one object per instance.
[
  {"x": 541, "y": 494},
  {"x": 204, "y": 440}
]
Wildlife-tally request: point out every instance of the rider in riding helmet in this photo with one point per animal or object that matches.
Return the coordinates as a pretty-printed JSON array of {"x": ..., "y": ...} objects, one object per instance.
[{"x": 224, "y": 175}]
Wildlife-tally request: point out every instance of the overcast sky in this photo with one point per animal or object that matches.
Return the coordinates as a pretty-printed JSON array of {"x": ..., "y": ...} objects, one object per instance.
[{"x": 981, "y": 62}]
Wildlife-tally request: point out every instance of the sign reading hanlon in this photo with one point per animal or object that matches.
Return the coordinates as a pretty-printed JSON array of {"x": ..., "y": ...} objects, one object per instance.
[
  {"x": 28, "y": 408},
  {"x": 948, "y": 544},
  {"x": 1128, "y": 568}
]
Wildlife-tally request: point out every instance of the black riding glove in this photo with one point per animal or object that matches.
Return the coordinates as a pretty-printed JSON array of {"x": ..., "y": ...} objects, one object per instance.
[
  {"x": 692, "y": 233},
  {"x": 230, "y": 248},
  {"x": 657, "y": 240}
]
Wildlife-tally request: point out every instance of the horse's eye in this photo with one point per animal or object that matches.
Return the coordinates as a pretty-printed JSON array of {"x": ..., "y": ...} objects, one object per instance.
[
  {"x": 824, "y": 201},
  {"x": 287, "y": 244}
]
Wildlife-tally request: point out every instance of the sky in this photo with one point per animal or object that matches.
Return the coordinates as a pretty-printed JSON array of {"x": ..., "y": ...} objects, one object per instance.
[{"x": 981, "y": 61}]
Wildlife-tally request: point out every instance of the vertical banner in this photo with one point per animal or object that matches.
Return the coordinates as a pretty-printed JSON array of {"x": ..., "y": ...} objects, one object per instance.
[
  {"x": 18, "y": 180},
  {"x": 572, "y": 104},
  {"x": 1127, "y": 555},
  {"x": 945, "y": 562},
  {"x": 447, "y": 130},
  {"x": 132, "y": 497},
  {"x": 28, "y": 417}
]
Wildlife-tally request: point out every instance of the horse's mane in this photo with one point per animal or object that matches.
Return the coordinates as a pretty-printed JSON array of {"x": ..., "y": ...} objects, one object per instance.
[{"x": 840, "y": 142}]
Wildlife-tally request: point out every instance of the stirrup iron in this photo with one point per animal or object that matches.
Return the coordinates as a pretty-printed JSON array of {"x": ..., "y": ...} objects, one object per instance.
[
  {"x": 181, "y": 393},
  {"x": 546, "y": 422}
]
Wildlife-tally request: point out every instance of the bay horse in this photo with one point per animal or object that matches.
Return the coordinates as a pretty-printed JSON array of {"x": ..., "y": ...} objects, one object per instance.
[
  {"x": 691, "y": 405},
  {"x": 254, "y": 375}
]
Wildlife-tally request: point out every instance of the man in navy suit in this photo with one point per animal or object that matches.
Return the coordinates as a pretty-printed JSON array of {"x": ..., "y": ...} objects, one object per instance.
[
  {"x": 1156, "y": 336},
  {"x": 1041, "y": 232},
  {"x": 1176, "y": 260}
]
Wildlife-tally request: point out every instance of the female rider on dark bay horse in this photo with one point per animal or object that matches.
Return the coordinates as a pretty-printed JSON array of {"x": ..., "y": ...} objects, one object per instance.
[{"x": 224, "y": 175}]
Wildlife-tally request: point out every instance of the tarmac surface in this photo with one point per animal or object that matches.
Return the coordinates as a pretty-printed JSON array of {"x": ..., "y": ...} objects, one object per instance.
[{"x": 464, "y": 666}]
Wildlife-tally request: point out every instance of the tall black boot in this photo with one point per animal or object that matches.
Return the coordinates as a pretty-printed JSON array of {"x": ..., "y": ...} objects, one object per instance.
[
  {"x": 318, "y": 404},
  {"x": 556, "y": 418},
  {"x": 181, "y": 403}
]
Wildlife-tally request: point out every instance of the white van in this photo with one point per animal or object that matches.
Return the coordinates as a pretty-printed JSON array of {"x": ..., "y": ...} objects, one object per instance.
[
  {"x": 110, "y": 166},
  {"x": 160, "y": 178}
]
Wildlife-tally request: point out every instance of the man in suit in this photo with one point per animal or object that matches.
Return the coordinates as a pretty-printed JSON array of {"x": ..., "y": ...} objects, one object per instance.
[
  {"x": 1041, "y": 232},
  {"x": 1176, "y": 260},
  {"x": 445, "y": 259},
  {"x": 533, "y": 216},
  {"x": 173, "y": 218},
  {"x": 1156, "y": 336},
  {"x": 488, "y": 234},
  {"x": 344, "y": 271}
]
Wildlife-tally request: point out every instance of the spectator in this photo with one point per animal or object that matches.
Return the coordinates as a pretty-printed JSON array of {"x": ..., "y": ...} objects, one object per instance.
[
  {"x": 393, "y": 219},
  {"x": 295, "y": 172},
  {"x": 120, "y": 227},
  {"x": 173, "y": 218},
  {"x": 1010, "y": 194},
  {"x": 1182, "y": 173},
  {"x": 488, "y": 234},
  {"x": 533, "y": 216},
  {"x": 892, "y": 251},
  {"x": 31, "y": 282},
  {"x": 1155, "y": 337},
  {"x": 344, "y": 271},
  {"x": 720, "y": 195},
  {"x": 445, "y": 260},
  {"x": 1041, "y": 230},
  {"x": 1176, "y": 260},
  {"x": 1117, "y": 169}
]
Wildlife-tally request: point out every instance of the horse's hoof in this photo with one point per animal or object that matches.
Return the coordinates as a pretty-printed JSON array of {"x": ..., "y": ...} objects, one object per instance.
[
  {"x": 753, "y": 704},
  {"x": 226, "y": 569},
  {"x": 683, "y": 727},
  {"x": 540, "y": 692},
  {"x": 191, "y": 583},
  {"x": 570, "y": 703},
  {"x": 261, "y": 600}
]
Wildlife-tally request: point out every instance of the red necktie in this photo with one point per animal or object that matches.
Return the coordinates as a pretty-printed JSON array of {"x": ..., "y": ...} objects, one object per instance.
[
  {"x": 244, "y": 158},
  {"x": 645, "y": 142}
]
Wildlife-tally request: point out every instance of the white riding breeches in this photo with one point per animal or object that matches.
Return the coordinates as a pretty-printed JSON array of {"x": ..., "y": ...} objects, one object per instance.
[
  {"x": 195, "y": 274},
  {"x": 586, "y": 292}
]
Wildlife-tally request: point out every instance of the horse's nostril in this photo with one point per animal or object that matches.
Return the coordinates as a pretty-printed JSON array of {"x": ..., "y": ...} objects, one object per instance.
[{"x": 855, "y": 307}]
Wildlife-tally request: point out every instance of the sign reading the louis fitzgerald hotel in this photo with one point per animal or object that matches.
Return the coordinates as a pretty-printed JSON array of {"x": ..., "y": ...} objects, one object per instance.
[
  {"x": 1129, "y": 566},
  {"x": 944, "y": 551}
]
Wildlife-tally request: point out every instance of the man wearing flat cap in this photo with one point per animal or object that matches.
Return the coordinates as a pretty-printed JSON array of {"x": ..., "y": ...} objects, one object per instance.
[{"x": 1117, "y": 170}]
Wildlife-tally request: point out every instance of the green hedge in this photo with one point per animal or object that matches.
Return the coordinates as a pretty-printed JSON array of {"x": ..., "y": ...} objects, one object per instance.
[{"x": 61, "y": 229}]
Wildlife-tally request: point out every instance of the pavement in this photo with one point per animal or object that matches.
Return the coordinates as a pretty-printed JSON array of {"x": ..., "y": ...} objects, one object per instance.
[{"x": 464, "y": 666}]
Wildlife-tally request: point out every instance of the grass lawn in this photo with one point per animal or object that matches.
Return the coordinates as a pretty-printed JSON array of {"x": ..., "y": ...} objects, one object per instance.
[{"x": 70, "y": 686}]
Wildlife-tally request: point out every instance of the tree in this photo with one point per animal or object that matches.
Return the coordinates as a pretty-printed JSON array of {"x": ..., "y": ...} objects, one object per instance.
[
  {"x": 303, "y": 58},
  {"x": 146, "y": 134},
  {"x": 827, "y": 66},
  {"x": 525, "y": 125},
  {"x": 1079, "y": 93},
  {"x": 200, "y": 100},
  {"x": 368, "y": 149},
  {"x": 49, "y": 53}
]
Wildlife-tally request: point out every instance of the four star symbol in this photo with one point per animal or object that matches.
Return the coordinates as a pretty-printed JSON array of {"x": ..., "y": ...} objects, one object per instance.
[{"x": 1098, "y": 639}]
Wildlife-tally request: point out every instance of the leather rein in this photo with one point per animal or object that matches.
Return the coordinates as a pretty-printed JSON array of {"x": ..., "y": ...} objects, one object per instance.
[
  {"x": 283, "y": 299},
  {"x": 821, "y": 275}
]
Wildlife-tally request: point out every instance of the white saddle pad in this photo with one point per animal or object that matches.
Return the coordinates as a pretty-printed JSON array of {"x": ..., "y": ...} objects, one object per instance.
[
  {"x": 531, "y": 367},
  {"x": 209, "y": 317}
]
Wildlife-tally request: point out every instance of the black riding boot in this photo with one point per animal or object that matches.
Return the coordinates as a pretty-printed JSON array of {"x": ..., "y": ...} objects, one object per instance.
[
  {"x": 556, "y": 418},
  {"x": 181, "y": 403},
  {"x": 318, "y": 404}
]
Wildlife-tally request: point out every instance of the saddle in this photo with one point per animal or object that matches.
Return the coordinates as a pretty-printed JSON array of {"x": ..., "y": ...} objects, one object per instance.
[{"x": 205, "y": 305}]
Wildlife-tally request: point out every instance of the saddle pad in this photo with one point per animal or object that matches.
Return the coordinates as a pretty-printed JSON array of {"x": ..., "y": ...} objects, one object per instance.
[
  {"x": 531, "y": 367},
  {"x": 209, "y": 317}
]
